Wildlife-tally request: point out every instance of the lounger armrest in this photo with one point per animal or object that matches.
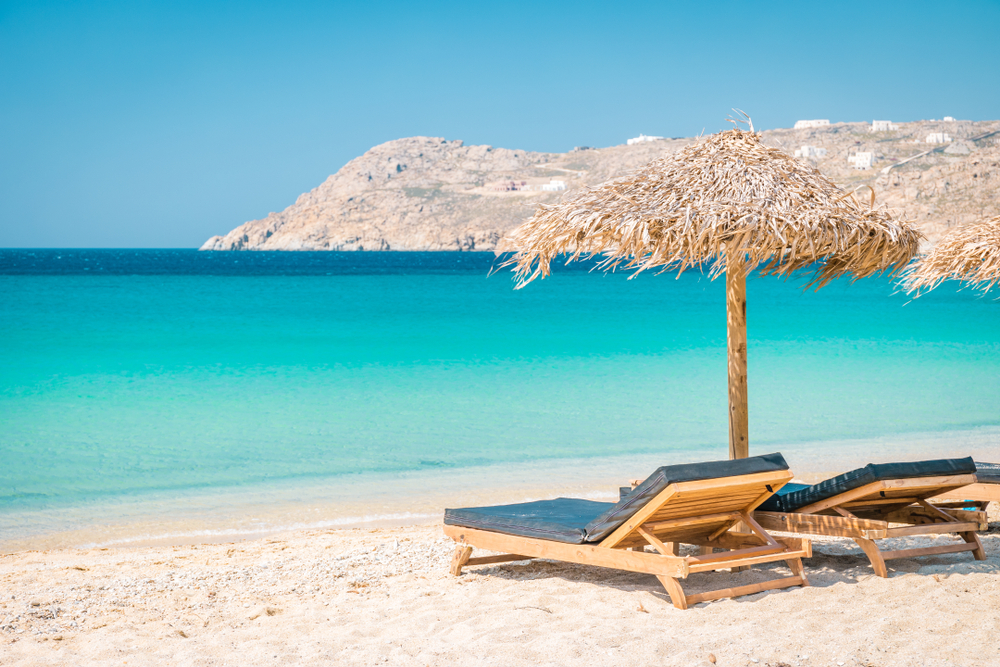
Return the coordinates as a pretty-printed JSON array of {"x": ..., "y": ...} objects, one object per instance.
[
  {"x": 585, "y": 554},
  {"x": 820, "y": 524}
]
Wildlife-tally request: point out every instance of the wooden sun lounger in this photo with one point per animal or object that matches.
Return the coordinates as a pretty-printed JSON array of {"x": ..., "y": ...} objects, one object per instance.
[
  {"x": 986, "y": 490},
  {"x": 703, "y": 513},
  {"x": 888, "y": 508},
  {"x": 979, "y": 495}
]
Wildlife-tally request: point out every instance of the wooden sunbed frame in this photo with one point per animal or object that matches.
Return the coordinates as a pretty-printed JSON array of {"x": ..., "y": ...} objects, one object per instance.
[
  {"x": 865, "y": 514},
  {"x": 980, "y": 493},
  {"x": 703, "y": 513}
]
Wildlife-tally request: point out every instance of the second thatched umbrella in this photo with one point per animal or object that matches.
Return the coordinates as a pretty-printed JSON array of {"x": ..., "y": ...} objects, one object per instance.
[
  {"x": 970, "y": 254},
  {"x": 728, "y": 202}
]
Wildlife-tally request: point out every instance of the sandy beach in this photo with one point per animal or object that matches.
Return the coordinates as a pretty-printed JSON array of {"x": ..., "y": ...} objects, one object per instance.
[{"x": 384, "y": 596}]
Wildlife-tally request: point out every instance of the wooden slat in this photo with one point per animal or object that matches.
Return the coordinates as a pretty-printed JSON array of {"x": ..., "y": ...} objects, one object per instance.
[
  {"x": 775, "y": 479},
  {"x": 734, "y": 540},
  {"x": 978, "y": 491},
  {"x": 979, "y": 505},
  {"x": 749, "y": 589},
  {"x": 817, "y": 524},
  {"x": 745, "y": 562},
  {"x": 735, "y": 555},
  {"x": 929, "y": 551},
  {"x": 585, "y": 554},
  {"x": 916, "y": 515},
  {"x": 657, "y": 526},
  {"x": 675, "y": 492},
  {"x": 740, "y": 500},
  {"x": 754, "y": 489},
  {"x": 857, "y": 505},
  {"x": 932, "y": 529},
  {"x": 695, "y": 509},
  {"x": 759, "y": 478},
  {"x": 977, "y": 517},
  {"x": 505, "y": 558},
  {"x": 708, "y": 505}
]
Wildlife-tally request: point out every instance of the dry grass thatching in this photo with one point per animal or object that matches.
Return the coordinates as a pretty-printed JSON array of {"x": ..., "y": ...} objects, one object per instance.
[
  {"x": 726, "y": 193},
  {"x": 970, "y": 254}
]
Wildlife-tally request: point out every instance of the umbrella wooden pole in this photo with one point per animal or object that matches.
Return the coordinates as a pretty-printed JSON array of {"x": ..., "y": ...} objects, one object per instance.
[{"x": 736, "y": 329}]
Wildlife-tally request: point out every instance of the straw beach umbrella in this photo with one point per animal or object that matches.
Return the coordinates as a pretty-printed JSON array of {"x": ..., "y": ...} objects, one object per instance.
[
  {"x": 970, "y": 254},
  {"x": 732, "y": 204}
]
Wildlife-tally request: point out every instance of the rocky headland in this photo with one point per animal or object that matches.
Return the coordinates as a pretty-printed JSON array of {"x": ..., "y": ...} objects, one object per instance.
[{"x": 423, "y": 193}]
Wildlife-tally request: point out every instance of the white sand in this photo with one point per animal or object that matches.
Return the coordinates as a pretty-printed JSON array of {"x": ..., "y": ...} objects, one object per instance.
[{"x": 346, "y": 597}]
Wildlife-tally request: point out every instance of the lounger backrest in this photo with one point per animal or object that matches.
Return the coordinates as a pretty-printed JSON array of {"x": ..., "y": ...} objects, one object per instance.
[
  {"x": 856, "y": 479},
  {"x": 699, "y": 511},
  {"x": 656, "y": 483}
]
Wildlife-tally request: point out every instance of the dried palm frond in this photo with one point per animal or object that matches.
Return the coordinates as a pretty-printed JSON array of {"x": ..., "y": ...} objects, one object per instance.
[
  {"x": 727, "y": 196},
  {"x": 970, "y": 254}
]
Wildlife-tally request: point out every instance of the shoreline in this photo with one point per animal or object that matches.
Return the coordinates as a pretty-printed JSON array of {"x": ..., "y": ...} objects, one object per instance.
[
  {"x": 353, "y": 596},
  {"x": 371, "y": 501}
]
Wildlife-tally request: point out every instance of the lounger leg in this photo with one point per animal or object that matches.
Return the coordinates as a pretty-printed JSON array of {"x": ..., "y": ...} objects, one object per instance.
[
  {"x": 674, "y": 590},
  {"x": 874, "y": 555},
  {"x": 795, "y": 565},
  {"x": 461, "y": 557},
  {"x": 972, "y": 538}
]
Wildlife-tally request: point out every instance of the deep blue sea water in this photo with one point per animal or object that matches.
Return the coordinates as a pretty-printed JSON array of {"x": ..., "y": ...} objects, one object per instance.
[{"x": 165, "y": 375}]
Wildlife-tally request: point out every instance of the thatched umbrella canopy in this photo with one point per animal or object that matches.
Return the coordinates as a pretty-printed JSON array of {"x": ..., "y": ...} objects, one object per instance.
[
  {"x": 732, "y": 204},
  {"x": 970, "y": 254}
]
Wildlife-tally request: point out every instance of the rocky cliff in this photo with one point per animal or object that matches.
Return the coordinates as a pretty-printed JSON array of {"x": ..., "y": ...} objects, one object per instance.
[{"x": 425, "y": 193}]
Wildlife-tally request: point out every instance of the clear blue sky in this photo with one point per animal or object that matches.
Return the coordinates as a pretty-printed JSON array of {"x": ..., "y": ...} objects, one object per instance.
[{"x": 145, "y": 124}]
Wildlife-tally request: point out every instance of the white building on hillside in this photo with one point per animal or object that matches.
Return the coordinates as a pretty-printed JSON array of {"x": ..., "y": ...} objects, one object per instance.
[
  {"x": 554, "y": 186},
  {"x": 861, "y": 160},
  {"x": 949, "y": 119},
  {"x": 938, "y": 138},
  {"x": 641, "y": 138},
  {"x": 810, "y": 151},
  {"x": 803, "y": 124},
  {"x": 884, "y": 126}
]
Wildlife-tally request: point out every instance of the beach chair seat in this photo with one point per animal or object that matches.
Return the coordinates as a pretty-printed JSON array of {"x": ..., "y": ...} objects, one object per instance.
[
  {"x": 978, "y": 495},
  {"x": 702, "y": 504},
  {"x": 881, "y": 501}
]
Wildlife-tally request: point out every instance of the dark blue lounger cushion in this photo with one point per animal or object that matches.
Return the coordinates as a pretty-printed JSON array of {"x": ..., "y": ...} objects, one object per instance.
[
  {"x": 561, "y": 519},
  {"x": 578, "y": 521},
  {"x": 776, "y": 503},
  {"x": 988, "y": 472},
  {"x": 795, "y": 496}
]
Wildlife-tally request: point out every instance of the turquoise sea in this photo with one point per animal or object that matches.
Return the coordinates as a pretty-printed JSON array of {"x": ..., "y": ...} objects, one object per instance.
[{"x": 171, "y": 395}]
